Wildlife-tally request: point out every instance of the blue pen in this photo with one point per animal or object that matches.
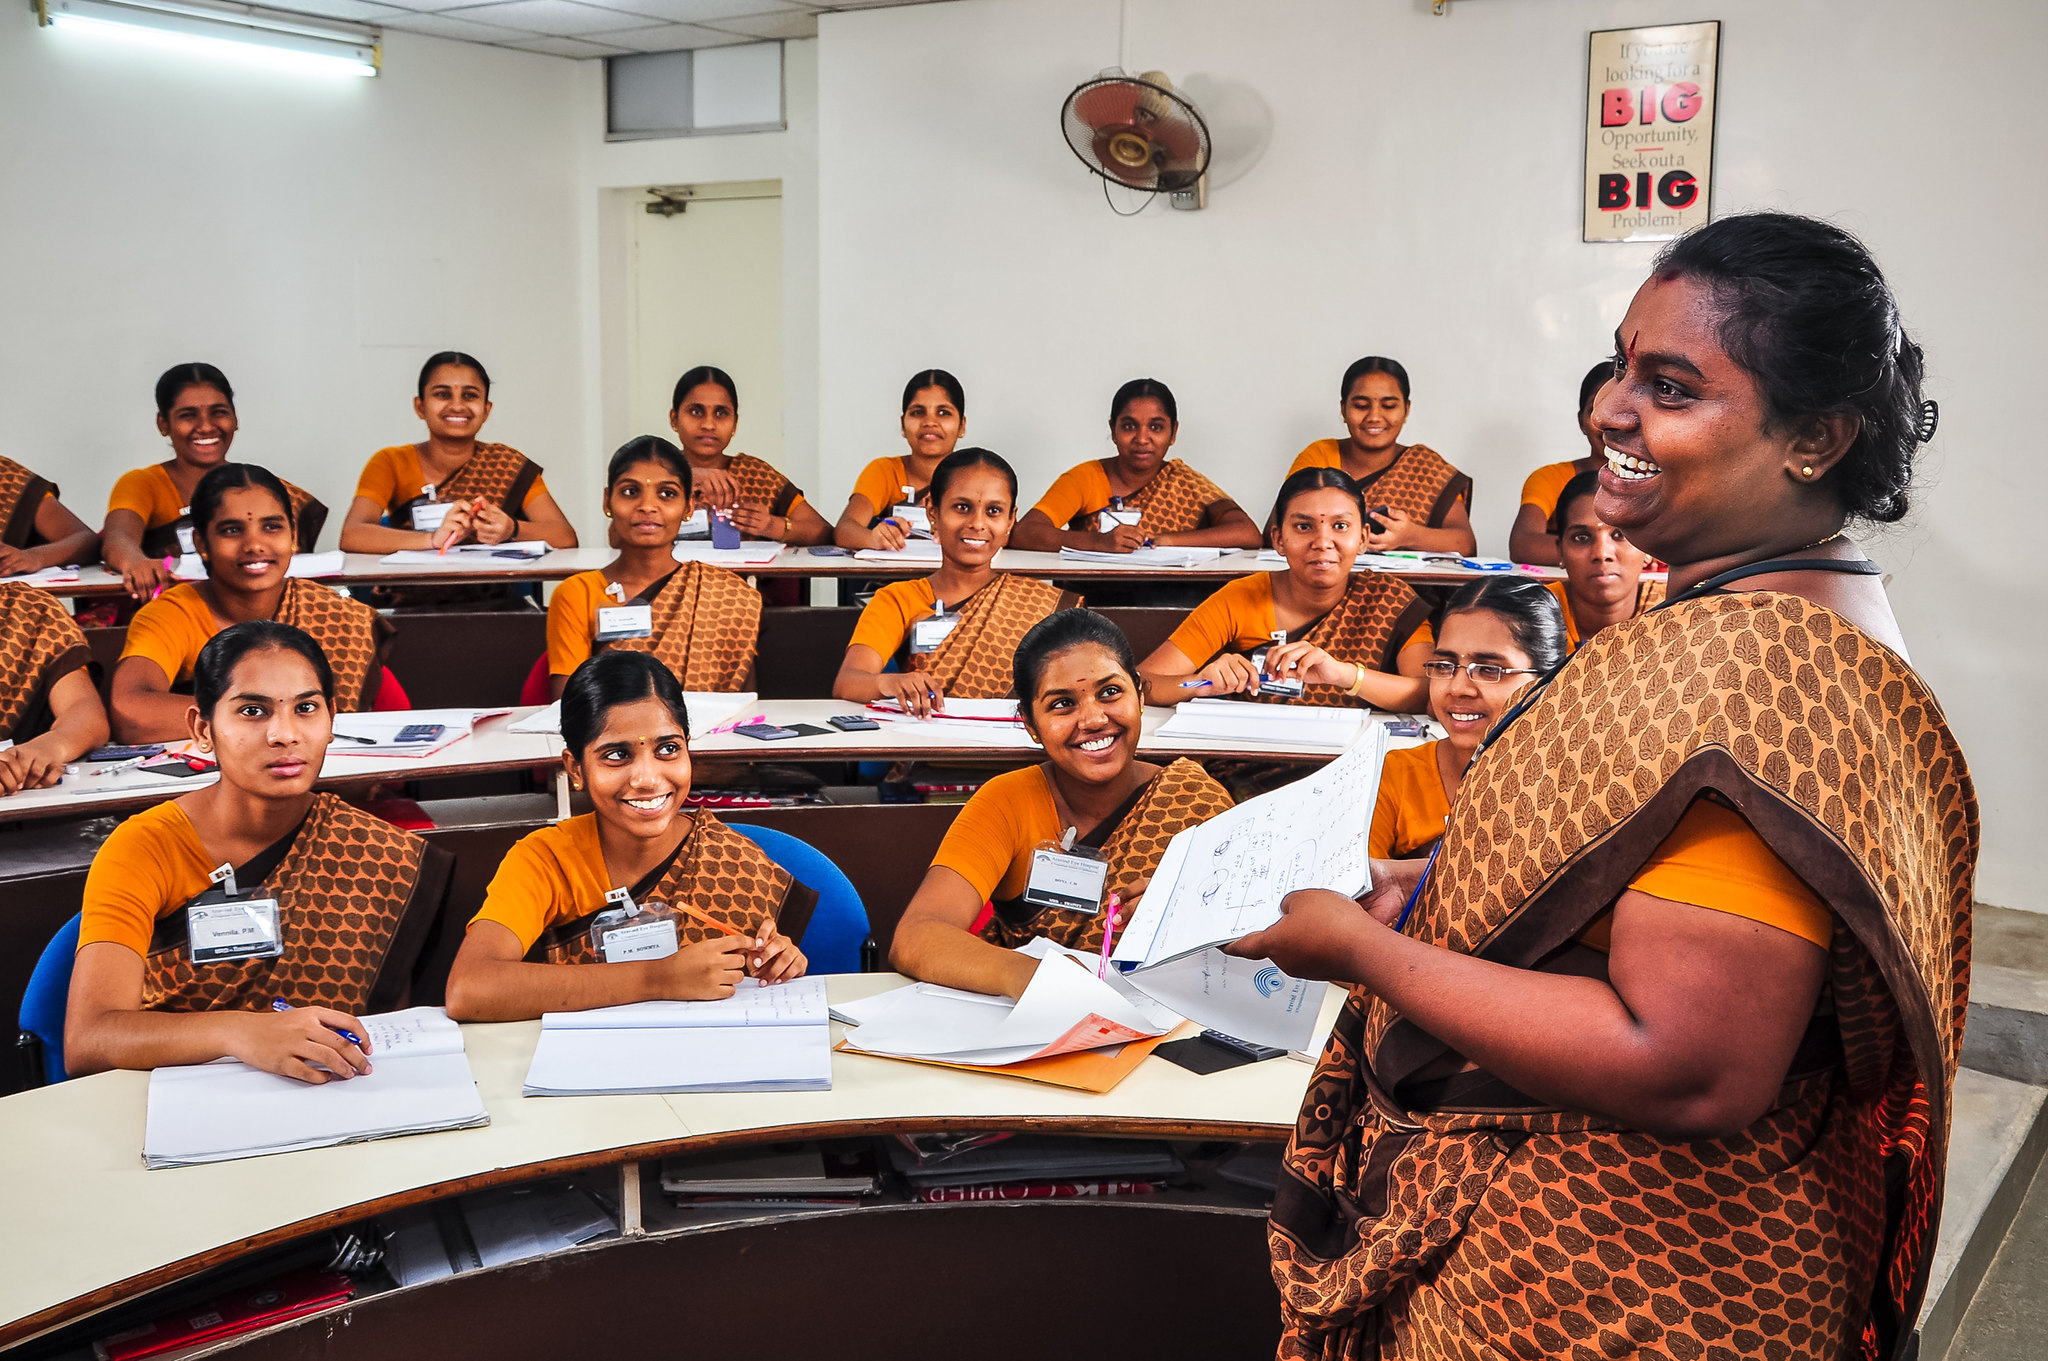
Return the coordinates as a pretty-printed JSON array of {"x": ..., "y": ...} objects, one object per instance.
[
  {"x": 1195, "y": 684},
  {"x": 279, "y": 1004},
  {"x": 1402, "y": 922}
]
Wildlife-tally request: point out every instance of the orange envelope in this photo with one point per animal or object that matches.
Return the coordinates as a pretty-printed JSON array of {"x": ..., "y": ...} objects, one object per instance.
[{"x": 1089, "y": 1070}]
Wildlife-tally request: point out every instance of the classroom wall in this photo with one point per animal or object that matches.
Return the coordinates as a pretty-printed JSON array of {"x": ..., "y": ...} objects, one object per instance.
[
  {"x": 315, "y": 238},
  {"x": 1407, "y": 184}
]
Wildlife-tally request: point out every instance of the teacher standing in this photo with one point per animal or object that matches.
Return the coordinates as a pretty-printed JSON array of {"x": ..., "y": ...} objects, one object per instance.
[{"x": 1660, "y": 1063}]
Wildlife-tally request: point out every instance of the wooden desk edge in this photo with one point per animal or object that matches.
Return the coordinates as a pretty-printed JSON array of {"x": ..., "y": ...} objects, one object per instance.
[{"x": 31, "y": 1326}]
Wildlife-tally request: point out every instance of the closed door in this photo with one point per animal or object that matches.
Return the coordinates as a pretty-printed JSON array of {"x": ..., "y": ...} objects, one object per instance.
[{"x": 706, "y": 288}]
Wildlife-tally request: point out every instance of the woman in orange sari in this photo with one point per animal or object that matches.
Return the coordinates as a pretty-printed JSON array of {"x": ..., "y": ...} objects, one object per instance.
[
  {"x": 705, "y": 414},
  {"x": 934, "y": 419},
  {"x": 36, "y": 529},
  {"x": 1659, "y": 1063},
  {"x": 1603, "y": 572},
  {"x": 1418, "y": 500}
]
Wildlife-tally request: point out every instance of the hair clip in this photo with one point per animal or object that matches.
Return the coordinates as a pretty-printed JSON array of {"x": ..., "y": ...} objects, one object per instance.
[{"x": 1930, "y": 417}]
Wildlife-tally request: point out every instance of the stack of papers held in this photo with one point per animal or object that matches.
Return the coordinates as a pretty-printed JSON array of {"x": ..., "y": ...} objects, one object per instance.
[
  {"x": 706, "y": 709},
  {"x": 1145, "y": 557},
  {"x": 776, "y": 1038},
  {"x": 213, "y": 1112},
  {"x": 1280, "y": 725}
]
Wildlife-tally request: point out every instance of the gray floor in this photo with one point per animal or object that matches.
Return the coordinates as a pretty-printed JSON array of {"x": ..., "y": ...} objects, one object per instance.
[{"x": 2008, "y": 1318}]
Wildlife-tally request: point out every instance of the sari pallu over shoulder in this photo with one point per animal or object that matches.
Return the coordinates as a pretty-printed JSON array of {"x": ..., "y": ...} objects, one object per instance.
[
  {"x": 1421, "y": 484},
  {"x": 21, "y": 497},
  {"x": 975, "y": 659},
  {"x": 1173, "y": 502},
  {"x": 356, "y": 897},
  {"x": 1415, "y": 1216},
  {"x": 707, "y": 626},
  {"x": 1133, "y": 841},
  {"x": 40, "y": 644}
]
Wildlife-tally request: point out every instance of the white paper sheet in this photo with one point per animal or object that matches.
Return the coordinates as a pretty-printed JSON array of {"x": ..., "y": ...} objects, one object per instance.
[
  {"x": 1286, "y": 725},
  {"x": 471, "y": 555},
  {"x": 801, "y": 1001},
  {"x": 383, "y": 727},
  {"x": 706, "y": 708},
  {"x": 1065, "y": 1009},
  {"x": 750, "y": 553},
  {"x": 1145, "y": 557},
  {"x": 975, "y": 710},
  {"x": 1248, "y": 998},
  {"x": 916, "y": 552},
  {"x": 47, "y": 576},
  {"x": 772, "y": 1058}
]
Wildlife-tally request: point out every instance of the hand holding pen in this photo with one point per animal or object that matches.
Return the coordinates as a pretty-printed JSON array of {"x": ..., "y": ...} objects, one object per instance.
[{"x": 311, "y": 1044}]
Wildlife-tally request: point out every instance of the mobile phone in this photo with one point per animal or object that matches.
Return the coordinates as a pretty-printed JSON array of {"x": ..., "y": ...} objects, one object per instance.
[
  {"x": 765, "y": 732},
  {"x": 123, "y": 753},
  {"x": 828, "y": 550},
  {"x": 1259, "y": 1052},
  {"x": 853, "y": 723},
  {"x": 1378, "y": 526},
  {"x": 420, "y": 732},
  {"x": 182, "y": 767}
]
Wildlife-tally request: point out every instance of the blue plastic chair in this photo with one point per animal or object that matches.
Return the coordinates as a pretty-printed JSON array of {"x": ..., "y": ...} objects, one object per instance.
[
  {"x": 49, "y": 990},
  {"x": 839, "y": 924}
]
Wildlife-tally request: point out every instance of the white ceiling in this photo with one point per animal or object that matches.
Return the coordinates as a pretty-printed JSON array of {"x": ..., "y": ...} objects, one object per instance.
[{"x": 590, "y": 28}]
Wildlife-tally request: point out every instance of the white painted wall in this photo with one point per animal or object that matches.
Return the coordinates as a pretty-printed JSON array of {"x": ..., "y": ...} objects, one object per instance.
[
  {"x": 159, "y": 209},
  {"x": 1418, "y": 198}
]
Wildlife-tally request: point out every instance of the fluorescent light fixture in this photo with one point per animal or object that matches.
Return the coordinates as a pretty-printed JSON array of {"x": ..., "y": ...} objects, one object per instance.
[{"x": 236, "y": 32}]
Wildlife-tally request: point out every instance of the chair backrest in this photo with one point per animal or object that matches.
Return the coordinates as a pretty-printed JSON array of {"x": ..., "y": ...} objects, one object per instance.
[
  {"x": 535, "y": 690},
  {"x": 49, "y": 989},
  {"x": 831, "y": 943}
]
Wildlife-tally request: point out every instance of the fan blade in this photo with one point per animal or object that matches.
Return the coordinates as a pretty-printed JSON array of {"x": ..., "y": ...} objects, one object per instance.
[
  {"x": 1107, "y": 105},
  {"x": 1179, "y": 138}
]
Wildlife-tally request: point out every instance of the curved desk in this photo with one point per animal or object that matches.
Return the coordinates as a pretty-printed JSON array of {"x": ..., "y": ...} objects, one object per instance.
[{"x": 88, "y": 1228}]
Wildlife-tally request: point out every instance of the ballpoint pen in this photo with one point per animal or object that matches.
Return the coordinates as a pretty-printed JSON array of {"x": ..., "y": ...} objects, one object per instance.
[{"x": 279, "y": 1004}]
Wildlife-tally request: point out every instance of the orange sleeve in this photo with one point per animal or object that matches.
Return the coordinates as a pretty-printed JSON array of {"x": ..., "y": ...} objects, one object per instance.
[
  {"x": 572, "y": 618},
  {"x": 1714, "y": 859},
  {"x": 539, "y": 488},
  {"x": 137, "y": 490},
  {"x": 553, "y": 875},
  {"x": 170, "y": 631},
  {"x": 889, "y": 615},
  {"x": 990, "y": 842},
  {"x": 881, "y": 482},
  {"x": 1240, "y": 615},
  {"x": 1322, "y": 453},
  {"x": 150, "y": 867},
  {"x": 1411, "y": 808},
  {"x": 1081, "y": 488},
  {"x": 385, "y": 481},
  {"x": 1424, "y": 635},
  {"x": 1543, "y": 486}
]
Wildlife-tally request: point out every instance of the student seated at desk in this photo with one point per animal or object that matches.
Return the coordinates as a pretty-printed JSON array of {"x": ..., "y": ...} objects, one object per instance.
[
  {"x": 321, "y": 898},
  {"x": 705, "y": 414},
  {"x": 1350, "y": 637},
  {"x": 638, "y": 859},
  {"x": 1138, "y": 496},
  {"x": 243, "y": 531},
  {"x": 974, "y": 497},
  {"x": 49, "y": 707},
  {"x": 1499, "y": 636},
  {"x": 36, "y": 529},
  {"x": 1603, "y": 572},
  {"x": 1417, "y": 499},
  {"x": 492, "y": 493},
  {"x": 1080, "y": 699},
  {"x": 1534, "y": 536},
  {"x": 934, "y": 419},
  {"x": 701, "y": 621},
  {"x": 148, "y": 515}
]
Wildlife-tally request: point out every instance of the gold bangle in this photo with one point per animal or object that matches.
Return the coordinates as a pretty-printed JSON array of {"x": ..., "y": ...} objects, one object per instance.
[{"x": 1357, "y": 690}]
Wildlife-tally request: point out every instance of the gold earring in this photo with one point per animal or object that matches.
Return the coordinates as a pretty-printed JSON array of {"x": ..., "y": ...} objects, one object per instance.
[{"x": 1806, "y": 470}]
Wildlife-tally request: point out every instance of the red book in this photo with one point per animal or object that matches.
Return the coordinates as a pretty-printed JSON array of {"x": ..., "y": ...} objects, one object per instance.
[
  {"x": 1038, "y": 1190},
  {"x": 274, "y": 1301}
]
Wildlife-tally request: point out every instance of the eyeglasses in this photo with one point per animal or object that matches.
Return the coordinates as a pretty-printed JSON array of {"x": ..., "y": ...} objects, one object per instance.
[{"x": 1485, "y": 673}]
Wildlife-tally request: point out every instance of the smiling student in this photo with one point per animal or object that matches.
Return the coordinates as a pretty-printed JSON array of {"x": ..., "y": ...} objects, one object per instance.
[
  {"x": 1417, "y": 499},
  {"x": 49, "y": 708},
  {"x": 736, "y": 912},
  {"x": 244, "y": 533},
  {"x": 1079, "y": 696},
  {"x": 148, "y": 512},
  {"x": 965, "y": 652},
  {"x": 339, "y": 897},
  {"x": 1603, "y": 571},
  {"x": 934, "y": 419},
  {"x": 703, "y": 622},
  {"x": 1149, "y": 498},
  {"x": 705, "y": 414},
  {"x": 1350, "y": 637},
  {"x": 1534, "y": 536},
  {"x": 36, "y": 529},
  {"x": 1498, "y": 635},
  {"x": 492, "y": 493}
]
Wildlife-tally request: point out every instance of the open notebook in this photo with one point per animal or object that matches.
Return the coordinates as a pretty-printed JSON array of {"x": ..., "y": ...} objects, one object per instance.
[
  {"x": 760, "y": 1039},
  {"x": 215, "y": 1112}
]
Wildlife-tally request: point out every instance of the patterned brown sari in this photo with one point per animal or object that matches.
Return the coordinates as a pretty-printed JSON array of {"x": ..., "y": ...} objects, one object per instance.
[
  {"x": 706, "y": 625},
  {"x": 1420, "y": 484},
  {"x": 975, "y": 660},
  {"x": 761, "y": 484},
  {"x": 1176, "y": 500},
  {"x": 1422, "y": 1216},
  {"x": 498, "y": 473},
  {"x": 1132, "y": 840},
  {"x": 353, "y": 636},
  {"x": 718, "y": 882},
  {"x": 40, "y": 644},
  {"x": 355, "y": 898},
  {"x": 21, "y": 496},
  {"x": 1369, "y": 627}
]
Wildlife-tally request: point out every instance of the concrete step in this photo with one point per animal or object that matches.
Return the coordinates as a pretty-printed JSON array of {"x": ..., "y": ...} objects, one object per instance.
[
  {"x": 1996, "y": 1141},
  {"x": 2008, "y": 1028}
]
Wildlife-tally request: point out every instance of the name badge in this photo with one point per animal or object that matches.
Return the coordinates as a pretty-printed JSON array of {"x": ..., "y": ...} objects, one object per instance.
[
  {"x": 615, "y": 622},
  {"x": 1066, "y": 880},
  {"x": 1273, "y": 685},
  {"x": 915, "y": 519},
  {"x": 927, "y": 633},
  {"x": 219, "y": 927},
  {"x": 429, "y": 515},
  {"x": 1106, "y": 520},
  {"x": 639, "y": 940},
  {"x": 187, "y": 541},
  {"x": 696, "y": 525}
]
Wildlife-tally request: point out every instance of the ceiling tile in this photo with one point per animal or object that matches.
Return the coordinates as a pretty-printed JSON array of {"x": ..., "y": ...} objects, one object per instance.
[
  {"x": 567, "y": 47},
  {"x": 796, "y": 24},
  {"x": 466, "y": 30},
  {"x": 556, "y": 18},
  {"x": 673, "y": 38},
  {"x": 427, "y": 6},
  {"x": 703, "y": 11},
  {"x": 351, "y": 11}
]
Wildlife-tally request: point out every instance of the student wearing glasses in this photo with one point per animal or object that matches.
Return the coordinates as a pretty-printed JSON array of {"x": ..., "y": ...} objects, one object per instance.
[{"x": 1499, "y": 634}]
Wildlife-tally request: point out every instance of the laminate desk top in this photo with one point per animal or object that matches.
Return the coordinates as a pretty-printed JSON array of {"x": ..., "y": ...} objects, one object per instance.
[{"x": 87, "y": 1226}]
